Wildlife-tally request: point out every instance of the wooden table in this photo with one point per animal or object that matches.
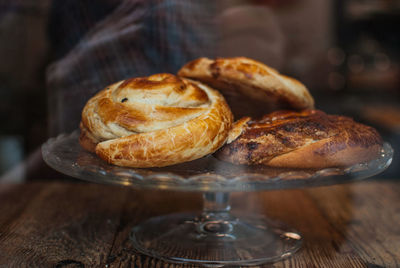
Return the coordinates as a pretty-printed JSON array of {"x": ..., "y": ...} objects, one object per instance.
[{"x": 63, "y": 224}]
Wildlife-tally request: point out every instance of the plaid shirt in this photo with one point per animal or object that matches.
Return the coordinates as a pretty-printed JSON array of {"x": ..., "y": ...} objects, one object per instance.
[{"x": 138, "y": 38}]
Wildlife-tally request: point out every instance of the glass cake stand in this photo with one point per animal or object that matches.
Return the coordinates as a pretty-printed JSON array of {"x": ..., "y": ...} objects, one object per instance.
[{"x": 215, "y": 237}]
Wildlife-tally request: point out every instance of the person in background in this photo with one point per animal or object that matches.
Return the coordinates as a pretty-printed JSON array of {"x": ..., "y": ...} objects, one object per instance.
[{"x": 95, "y": 43}]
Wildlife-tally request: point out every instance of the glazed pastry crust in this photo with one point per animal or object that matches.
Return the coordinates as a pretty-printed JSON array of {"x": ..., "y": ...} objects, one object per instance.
[
  {"x": 306, "y": 139},
  {"x": 155, "y": 121},
  {"x": 243, "y": 77}
]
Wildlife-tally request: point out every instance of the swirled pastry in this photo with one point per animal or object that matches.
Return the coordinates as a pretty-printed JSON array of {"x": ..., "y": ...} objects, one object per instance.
[
  {"x": 155, "y": 121},
  {"x": 251, "y": 87},
  {"x": 305, "y": 139}
]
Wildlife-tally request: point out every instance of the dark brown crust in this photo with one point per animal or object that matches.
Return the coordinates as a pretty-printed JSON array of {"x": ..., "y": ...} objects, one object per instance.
[{"x": 306, "y": 139}]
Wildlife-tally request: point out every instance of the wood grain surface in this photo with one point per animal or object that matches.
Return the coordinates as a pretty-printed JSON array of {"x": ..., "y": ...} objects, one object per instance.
[{"x": 62, "y": 224}]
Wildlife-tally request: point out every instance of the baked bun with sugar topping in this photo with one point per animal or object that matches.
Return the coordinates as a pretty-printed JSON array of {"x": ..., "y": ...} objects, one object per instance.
[
  {"x": 305, "y": 139},
  {"x": 155, "y": 121},
  {"x": 250, "y": 87}
]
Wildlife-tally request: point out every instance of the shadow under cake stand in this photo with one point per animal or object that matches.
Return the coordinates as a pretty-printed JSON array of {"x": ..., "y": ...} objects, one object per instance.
[{"x": 215, "y": 237}]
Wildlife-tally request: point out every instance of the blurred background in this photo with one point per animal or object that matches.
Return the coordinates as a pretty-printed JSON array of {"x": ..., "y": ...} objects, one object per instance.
[{"x": 57, "y": 54}]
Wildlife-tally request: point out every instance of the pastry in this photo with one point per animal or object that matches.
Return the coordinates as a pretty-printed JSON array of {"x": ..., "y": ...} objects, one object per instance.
[
  {"x": 304, "y": 139},
  {"x": 250, "y": 87},
  {"x": 155, "y": 121}
]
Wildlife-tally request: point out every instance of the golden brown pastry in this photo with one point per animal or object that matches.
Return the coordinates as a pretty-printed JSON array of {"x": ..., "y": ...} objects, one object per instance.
[
  {"x": 251, "y": 87},
  {"x": 306, "y": 139},
  {"x": 155, "y": 121}
]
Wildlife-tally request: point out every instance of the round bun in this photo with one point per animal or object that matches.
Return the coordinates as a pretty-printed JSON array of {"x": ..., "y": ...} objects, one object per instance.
[
  {"x": 306, "y": 139},
  {"x": 155, "y": 121},
  {"x": 251, "y": 87}
]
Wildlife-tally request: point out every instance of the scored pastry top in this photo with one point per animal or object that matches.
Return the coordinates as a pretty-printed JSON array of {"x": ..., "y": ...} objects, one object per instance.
[{"x": 144, "y": 104}]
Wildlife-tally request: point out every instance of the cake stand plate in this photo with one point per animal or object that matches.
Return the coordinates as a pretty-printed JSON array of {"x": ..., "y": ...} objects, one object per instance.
[{"x": 215, "y": 237}]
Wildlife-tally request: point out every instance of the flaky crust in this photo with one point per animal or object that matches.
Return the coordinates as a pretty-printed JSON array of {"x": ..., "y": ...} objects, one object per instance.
[
  {"x": 306, "y": 139},
  {"x": 249, "y": 85},
  {"x": 155, "y": 121}
]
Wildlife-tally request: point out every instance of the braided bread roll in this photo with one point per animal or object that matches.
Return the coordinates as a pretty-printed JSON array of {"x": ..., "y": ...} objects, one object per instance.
[
  {"x": 155, "y": 121},
  {"x": 250, "y": 87}
]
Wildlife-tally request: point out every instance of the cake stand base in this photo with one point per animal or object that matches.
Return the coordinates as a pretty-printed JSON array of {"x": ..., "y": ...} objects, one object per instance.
[{"x": 215, "y": 239}]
